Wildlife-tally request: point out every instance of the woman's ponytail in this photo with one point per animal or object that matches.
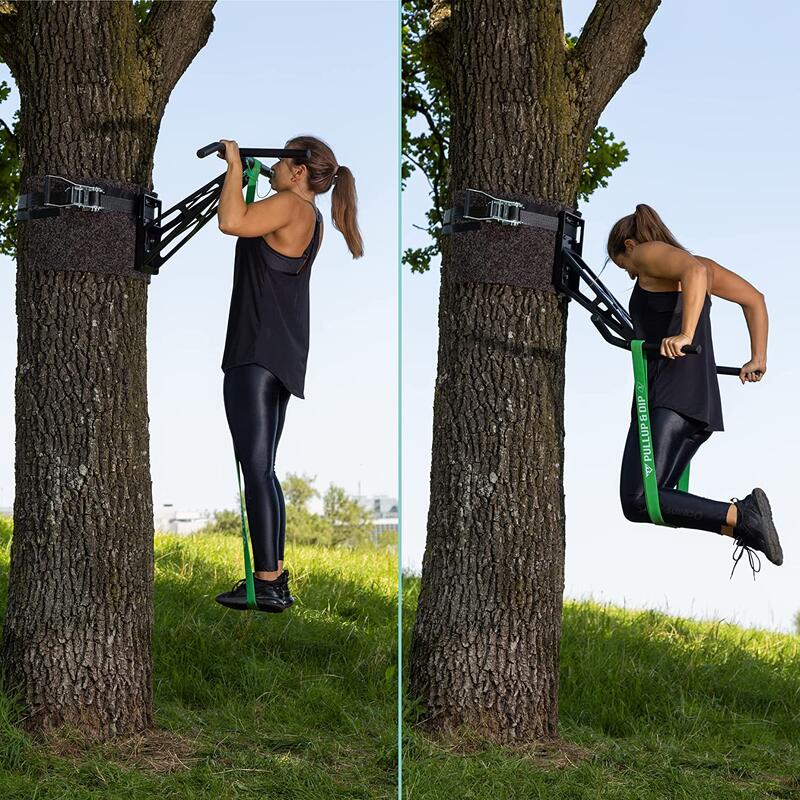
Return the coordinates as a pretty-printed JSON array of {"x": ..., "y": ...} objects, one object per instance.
[
  {"x": 323, "y": 174},
  {"x": 644, "y": 225},
  {"x": 649, "y": 227},
  {"x": 343, "y": 210}
]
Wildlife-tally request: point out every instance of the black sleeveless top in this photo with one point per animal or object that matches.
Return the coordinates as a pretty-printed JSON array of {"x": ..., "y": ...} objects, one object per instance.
[
  {"x": 269, "y": 311},
  {"x": 687, "y": 385}
]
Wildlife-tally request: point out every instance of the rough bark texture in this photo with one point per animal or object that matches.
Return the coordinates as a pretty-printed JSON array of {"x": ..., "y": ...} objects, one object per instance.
[
  {"x": 486, "y": 639},
  {"x": 78, "y": 626}
]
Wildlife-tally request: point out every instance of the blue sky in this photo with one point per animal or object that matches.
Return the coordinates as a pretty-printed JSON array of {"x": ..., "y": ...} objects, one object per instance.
[
  {"x": 329, "y": 69},
  {"x": 710, "y": 120}
]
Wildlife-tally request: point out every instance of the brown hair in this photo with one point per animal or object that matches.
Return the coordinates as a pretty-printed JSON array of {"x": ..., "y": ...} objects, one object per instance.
[
  {"x": 644, "y": 225},
  {"x": 322, "y": 167}
]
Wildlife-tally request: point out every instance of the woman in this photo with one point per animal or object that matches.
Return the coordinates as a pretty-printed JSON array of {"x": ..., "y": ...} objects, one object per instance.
[
  {"x": 670, "y": 304},
  {"x": 266, "y": 344}
]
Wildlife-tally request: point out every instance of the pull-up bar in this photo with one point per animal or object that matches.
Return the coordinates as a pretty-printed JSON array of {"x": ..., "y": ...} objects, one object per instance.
[{"x": 155, "y": 230}]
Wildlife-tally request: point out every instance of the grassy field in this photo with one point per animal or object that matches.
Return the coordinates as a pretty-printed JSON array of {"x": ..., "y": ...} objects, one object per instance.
[
  {"x": 297, "y": 706},
  {"x": 651, "y": 707}
]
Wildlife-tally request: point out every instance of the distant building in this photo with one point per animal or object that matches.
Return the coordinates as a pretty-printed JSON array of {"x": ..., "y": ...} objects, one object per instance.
[
  {"x": 385, "y": 531},
  {"x": 167, "y": 520},
  {"x": 384, "y": 516},
  {"x": 379, "y": 505}
]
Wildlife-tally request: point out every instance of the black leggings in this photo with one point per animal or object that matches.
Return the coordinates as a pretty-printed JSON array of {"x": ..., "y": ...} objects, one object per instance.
[
  {"x": 675, "y": 440},
  {"x": 255, "y": 405}
]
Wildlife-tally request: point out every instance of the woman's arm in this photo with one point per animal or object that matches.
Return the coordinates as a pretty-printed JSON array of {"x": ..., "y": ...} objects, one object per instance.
[
  {"x": 728, "y": 285},
  {"x": 231, "y": 206},
  {"x": 238, "y": 218}
]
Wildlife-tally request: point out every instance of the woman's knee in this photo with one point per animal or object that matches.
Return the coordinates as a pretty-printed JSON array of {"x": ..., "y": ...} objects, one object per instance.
[
  {"x": 634, "y": 507},
  {"x": 258, "y": 468}
]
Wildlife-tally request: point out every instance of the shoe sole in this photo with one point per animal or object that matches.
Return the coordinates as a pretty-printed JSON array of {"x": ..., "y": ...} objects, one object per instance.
[
  {"x": 241, "y": 605},
  {"x": 774, "y": 550}
]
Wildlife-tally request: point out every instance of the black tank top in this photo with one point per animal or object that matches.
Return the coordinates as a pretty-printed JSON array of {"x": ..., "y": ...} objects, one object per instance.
[
  {"x": 269, "y": 311},
  {"x": 687, "y": 385}
]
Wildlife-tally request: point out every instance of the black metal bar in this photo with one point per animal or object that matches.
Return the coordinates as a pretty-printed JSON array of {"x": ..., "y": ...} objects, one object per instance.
[
  {"x": 687, "y": 349},
  {"x": 607, "y": 335},
  {"x": 648, "y": 347},
  {"x": 604, "y": 304},
  {"x": 256, "y": 152}
]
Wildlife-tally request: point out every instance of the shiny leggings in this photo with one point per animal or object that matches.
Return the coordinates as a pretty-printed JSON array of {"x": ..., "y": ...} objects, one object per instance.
[
  {"x": 676, "y": 439},
  {"x": 255, "y": 405}
]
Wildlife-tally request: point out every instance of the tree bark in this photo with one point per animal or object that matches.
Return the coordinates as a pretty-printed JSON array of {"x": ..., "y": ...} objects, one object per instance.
[
  {"x": 78, "y": 627},
  {"x": 486, "y": 638}
]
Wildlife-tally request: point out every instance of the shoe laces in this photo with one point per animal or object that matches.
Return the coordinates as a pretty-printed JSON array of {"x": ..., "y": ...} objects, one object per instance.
[
  {"x": 750, "y": 553},
  {"x": 742, "y": 546}
]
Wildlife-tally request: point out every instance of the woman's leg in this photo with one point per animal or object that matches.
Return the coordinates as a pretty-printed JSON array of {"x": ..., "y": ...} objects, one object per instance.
[
  {"x": 252, "y": 404},
  {"x": 284, "y": 400},
  {"x": 675, "y": 441}
]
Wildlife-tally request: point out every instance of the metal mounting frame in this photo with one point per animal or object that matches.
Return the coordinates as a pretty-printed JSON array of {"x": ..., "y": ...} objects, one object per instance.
[
  {"x": 155, "y": 230},
  {"x": 570, "y": 271}
]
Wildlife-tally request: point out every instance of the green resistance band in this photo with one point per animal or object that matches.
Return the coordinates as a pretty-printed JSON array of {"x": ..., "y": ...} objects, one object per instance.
[
  {"x": 646, "y": 451},
  {"x": 252, "y": 178},
  {"x": 248, "y": 569},
  {"x": 252, "y": 173}
]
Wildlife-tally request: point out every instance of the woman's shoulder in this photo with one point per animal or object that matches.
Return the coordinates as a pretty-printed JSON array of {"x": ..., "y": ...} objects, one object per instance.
[
  {"x": 291, "y": 200},
  {"x": 655, "y": 250},
  {"x": 658, "y": 263}
]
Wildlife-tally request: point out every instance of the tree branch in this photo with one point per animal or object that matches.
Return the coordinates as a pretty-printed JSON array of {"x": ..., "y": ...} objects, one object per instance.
[
  {"x": 421, "y": 108},
  {"x": 176, "y": 30},
  {"x": 609, "y": 49},
  {"x": 8, "y": 35},
  {"x": 436, "y": 44}
]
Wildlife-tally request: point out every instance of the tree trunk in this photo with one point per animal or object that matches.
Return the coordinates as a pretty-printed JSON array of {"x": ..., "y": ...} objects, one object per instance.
[
  {"x": 78, "y": 627},
  {"x": 486, "y": 639}
]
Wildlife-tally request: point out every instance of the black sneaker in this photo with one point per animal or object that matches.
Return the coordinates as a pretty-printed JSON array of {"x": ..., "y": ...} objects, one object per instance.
[
  {"x": 269, "y": 596},
  {"x": 284, "y": 586},
  {"x": 755, "y": 529}
]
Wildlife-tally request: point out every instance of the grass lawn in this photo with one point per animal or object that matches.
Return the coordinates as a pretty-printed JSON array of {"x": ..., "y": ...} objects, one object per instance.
[
  {"x": 651, "y": 707},
  {"x": 297, "y": 706}
]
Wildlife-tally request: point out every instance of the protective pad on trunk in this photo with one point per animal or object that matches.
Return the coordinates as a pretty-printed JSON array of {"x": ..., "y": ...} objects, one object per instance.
[
  {"x": 104, "y": 240},
  {"x": 514, "y": 255}
]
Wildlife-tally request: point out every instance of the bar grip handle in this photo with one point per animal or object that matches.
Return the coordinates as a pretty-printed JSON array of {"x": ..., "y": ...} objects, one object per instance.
[
  {"x": 689, "y": 349},
  {"x": 214, "y": 147},
  {"x": 256, "y": 152}
]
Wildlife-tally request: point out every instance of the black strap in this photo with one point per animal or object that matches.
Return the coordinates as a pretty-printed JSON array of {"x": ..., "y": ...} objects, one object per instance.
[
  {"x": 53, "y": 200},
  {"x": 480, "y": 206}
]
